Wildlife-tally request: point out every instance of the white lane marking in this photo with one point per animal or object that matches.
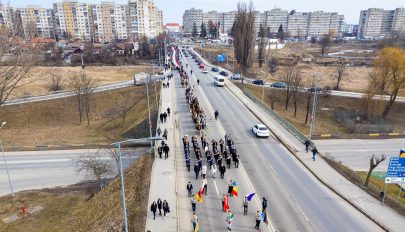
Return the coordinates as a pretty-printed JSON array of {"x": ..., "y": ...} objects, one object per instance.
[
  {"x": 253, "y": 141},
  {"x": 216, "y": 188},
  {"x": 273, "y": 169},
  {"x": 306, "y": 218}
]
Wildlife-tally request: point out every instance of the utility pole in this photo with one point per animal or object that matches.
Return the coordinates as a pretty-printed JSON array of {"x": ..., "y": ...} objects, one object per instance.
[
  {"x": 147, "y": 96},
  {"x": 124, "y": 207},
  {"x": 313, "y": 116},
  {"x": 5, "y": 163}
]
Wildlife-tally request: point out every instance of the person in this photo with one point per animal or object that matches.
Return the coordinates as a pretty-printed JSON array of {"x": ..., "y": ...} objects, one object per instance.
[
  {"x": 196, "y": 170},
  {"x": 205, "y": 184},
  {"x": 216, "y": 114},
  {"x": 153, "y": 208},
  {"x": 229, "y": 219},
  {"x": 264, "y": 204},
  {"x": 194, "y": 220},
  {"x": 188, "y": 162},
  {"x": 228, "y": 161},
  {"x": 204, "y": 171},
  {"x": 222, "y": 170},
  {"x": 164, "y": 116},
  {"x": 166, "y": 208},
  {"x": 165, "y": 132},
  {"x": 166, "y": 149},
  {"x": 223, "y": 202},
  {"x": 230, "y": 187},
  {"x": 314, "y": 152},
  {"x": 161, "y": 117},
  {"x": 245, "y": 205},
  {"x": 191, "y": 72},
  {"x": 160, "y": 151},
  {"x": 237, "y": 161},
  {"x": 258, "y": 219},
  {"x": 189, "y": 188},
  {"x": 307, "y": 143},
  {"x": 214, "y": 170},
  {"x": 198, "y": 81},
  {"x": 168, "y": 111},
  {"x": 200, "y": 162},
  {"x": 159, "y": 204},
  {"x": 193, "y": 202},
  {"x": 159, "y": 131}
]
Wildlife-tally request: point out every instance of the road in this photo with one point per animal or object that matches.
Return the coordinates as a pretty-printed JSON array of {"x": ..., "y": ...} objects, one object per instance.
[
  {"x": 43, "y": 169},
  {"x": 297, "y": 201},
  {"x": 355, "y": 153}
]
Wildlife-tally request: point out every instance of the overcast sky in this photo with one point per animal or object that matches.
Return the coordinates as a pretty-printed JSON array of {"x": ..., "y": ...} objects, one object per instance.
[{"x": 173, "y": 9}]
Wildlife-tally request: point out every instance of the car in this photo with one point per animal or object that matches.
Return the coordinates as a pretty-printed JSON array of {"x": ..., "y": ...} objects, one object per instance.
[
  {"x": 260, "y": 130},
  {"x": 205, "y": 70},
  {"x": 219, "y": 80},
  {"x": 280, "y": 85},
  {"x": 215, "y": 69},
  {"x": 223, "y": 73},
  {"x": 317, "y": 89},
  {"x": 235, "y": 76},
  {"x": 201, "y": 65},
  {"x": 258, "y": 82}
]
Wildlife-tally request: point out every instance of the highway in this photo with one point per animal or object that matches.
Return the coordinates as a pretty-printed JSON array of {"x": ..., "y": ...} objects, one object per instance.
[
  {"x": 44, "y": 169},
  {"x": 297, "y": 201}
]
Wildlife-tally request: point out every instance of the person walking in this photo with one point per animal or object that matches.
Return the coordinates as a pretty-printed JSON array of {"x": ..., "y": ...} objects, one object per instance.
[
  {"x": 307, "y": 143},
  {"x": 159, "y": 131},
  {"x": 245, "y": 205},
  {"x": 160, "y": 205},
  {"x": 205, "y": 184},
  {"x": 216, "y": 114},
  {"x": 213, "y": 170},
  {"x": 230, "y": 187},
  {"x": 153, "y": 208},
  {"x": 164, "y": 116},
  {"x": 193, "y": 202},
  {"x": 194, "y": 220},
  {"x": 165, "y": 132},
  {"x": 204, "y": 171},
  {"x": 166, "y": 150},
  {"x": 189, "y": 188},
  {"x": 314, "y": 152},
  {"x": 196, "y": 171},
  {"x": 188, "y": 162},
  {"x": 161, "y": 117},
  {"x": 166, "y": 208},
  {"x": 198, "y": 81},
  {"x": 200, "y": 163},
  {"x": 264, "y": 204},
  {"x": 236, "y": 161},
  {"x": 168, "y": 111},
  {"x": 160, "y": 151},
  {"x": 258, "y": 219},
  {"x": 222, "y": 170}
]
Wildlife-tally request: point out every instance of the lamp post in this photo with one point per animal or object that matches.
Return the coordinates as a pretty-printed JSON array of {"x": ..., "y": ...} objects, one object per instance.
[
  {"x": 5, "y": 162},
  {"x": 124, "y": 207}
]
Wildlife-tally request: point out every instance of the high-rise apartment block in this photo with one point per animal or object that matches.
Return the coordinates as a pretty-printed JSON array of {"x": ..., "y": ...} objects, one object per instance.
[
  {"x": 298, "y": 24},
  {"x": 376, "y": 22},
  {"x": 191, "y": 17},
  {"x": 144, "y": 19},
  {"x": 6, "y": 16},
  {"x": 274, "y": 18},
  {"x": 37, "y": 22}
]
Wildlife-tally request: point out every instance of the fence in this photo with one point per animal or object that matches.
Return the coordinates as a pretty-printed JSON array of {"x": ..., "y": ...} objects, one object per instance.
[{"x": 298, "y": 134}]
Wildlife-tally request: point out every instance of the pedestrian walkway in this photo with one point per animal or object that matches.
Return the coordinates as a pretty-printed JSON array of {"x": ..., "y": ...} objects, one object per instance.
[
  {"x": 370, "y": 206},
  {"x": 163, "y": 176}
]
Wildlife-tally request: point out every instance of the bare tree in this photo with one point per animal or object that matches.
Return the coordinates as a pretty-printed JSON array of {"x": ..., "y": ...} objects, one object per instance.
[
  {"x": 374, "y": 162},
  {"x": 288, "y": 76},
  {"x": 16, "y": 66},
  {"x": 113, "y": 152},
  {"x": 325, "y": 42},
  {"x": 311, "y": 83},
  {"x": 296, "y": 91},
  {"x": 55, "y": 81},
  {"x": 82, "y": 86},
  {"x": 94, "y": 167},
  {"x": 261, "y": 46},
  {"x": 339, "y": 73}
]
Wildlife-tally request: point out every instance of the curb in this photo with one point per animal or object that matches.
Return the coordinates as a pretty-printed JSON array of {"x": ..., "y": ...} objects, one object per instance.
[
  {"x": 66, "y": 146},
  {"x": 360, "y": 136}
]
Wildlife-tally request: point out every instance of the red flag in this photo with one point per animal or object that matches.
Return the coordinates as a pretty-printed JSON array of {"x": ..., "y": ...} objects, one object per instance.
[{"x": 226, "y": 204}]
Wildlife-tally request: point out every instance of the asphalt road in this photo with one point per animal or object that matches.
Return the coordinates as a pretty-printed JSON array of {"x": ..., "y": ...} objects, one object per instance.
[
  {"x": 43, "y": 169},
  {"x": 355, "y": 153},
  {"x": 297, "y": 201}
]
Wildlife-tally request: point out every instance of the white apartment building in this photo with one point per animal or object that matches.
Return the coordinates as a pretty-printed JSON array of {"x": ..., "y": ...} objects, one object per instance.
[
  {"x": 398, "y": 23},
  {"x": 322, "y": 23},
  {"x": 37, "y": 22},
  {"x": 108, "y": 22},
  {"x": 274, "y": 18},
  {"x": 6, "y": 16},
  {"x": 191, "y": 17},
  {"x": 377, "y": 22},
  {"x": 348, "y": 28},
  {"x": 298, "y": 24},
  {"x": 228, "y": 18},
  {"x": 143, "y": 19}
]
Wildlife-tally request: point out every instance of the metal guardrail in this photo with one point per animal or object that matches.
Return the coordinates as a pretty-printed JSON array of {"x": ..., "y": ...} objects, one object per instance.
[{"x": 298, "y": 134}]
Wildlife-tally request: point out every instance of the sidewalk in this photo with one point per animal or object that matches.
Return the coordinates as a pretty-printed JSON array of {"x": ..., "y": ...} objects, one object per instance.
[
  {"x": 163, "y": 177},
  {"x": 368, "y": 205}
]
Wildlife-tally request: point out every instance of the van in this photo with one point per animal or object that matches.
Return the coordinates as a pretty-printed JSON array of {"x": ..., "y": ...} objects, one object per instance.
[{"x": 219, "y": 81}]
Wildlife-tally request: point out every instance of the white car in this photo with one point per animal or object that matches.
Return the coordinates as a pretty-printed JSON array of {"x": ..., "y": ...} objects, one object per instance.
[
  {"x": 205, "y": 70},
  {"x": 219, "y": 81},
  {"x": 260, "y": 130}
]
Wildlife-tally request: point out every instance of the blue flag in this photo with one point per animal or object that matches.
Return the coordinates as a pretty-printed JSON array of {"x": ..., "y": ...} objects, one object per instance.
[
  {"x": 250, "y": 196},
  {"x": 234, "y": 183},
  {"x": 265, "y": 217}
]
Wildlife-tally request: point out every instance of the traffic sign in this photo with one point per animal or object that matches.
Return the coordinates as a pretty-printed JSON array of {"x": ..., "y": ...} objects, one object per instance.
[{"x": 395, "y": 171}]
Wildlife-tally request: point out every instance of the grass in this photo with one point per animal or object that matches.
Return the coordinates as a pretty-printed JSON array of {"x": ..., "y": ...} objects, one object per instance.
[
  {"x": 326, "y": 109},
  {"x": 37, "y": 83},
  {"x": 56, "y": 121},
  {"x": 67, "y": 209}
]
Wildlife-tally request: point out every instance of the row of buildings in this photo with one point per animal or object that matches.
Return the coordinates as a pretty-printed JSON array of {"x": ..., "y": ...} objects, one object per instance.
[
  {"x": 104, "y": 22},
  {"x": 373, "y": 22}
]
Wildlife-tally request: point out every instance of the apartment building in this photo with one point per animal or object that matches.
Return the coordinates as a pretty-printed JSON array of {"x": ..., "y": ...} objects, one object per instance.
[
  {"x": 398, "y": 23},
  {"x": 349, "y": 29},
  {"x": 274, "y": 18},
  {"x": 298, "y": 24},
  {"x": 37, "y": 22},
  {"x": 191, "y": 17},
  {"x": 108, "y": 22},
  {"x": 377, "y": 22},
  {"x": 143, "y": 19},
  {"x": 322, "y": 23},
  {"x": 6, "y": 16},
  {"x": 227, "y": 20}
]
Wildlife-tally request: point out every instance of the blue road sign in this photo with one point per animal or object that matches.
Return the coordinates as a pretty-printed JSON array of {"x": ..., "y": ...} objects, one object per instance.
[{"x": 396, "y": 170}]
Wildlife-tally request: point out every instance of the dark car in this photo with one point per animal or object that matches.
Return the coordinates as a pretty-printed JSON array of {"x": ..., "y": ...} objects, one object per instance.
[
  {"x": 258, "y": 82},
  {"x": 223, "y": 73},
  {"x": 317, "y": 89},
  {"x": 214, "y": 69},
  {"x": 280, "y": 85}
]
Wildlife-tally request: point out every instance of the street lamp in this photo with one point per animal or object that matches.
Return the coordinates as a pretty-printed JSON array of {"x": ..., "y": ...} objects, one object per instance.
[{"x": 5, "y": 162}]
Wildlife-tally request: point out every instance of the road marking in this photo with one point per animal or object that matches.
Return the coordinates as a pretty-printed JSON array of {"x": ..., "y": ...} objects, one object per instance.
[
  {"x": 306, "y": 218},
  {"x": 273, "y": 169},
  {"x": 216, "y": 188},
  {"x": 253, "y": 141}
]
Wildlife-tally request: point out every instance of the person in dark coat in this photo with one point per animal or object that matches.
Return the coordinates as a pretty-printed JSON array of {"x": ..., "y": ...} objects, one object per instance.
[
  {"x": 161, "y": 117},
  {"x": 164, "y": 116},
  {"x": 160, "y": 151},
  {"x": 188, "y": 162},
  {"x": 196, "y": 171},
  {"x": 222, "y": 170},
  {"x": 153, "y": 208},
  {"x": 166, "y": 208},
  {"x": 236, "y": 160},
  {"x": 230, "y": 188},
  {"x": 168, "y": 111},
  {"x": 314, "y": 152},
  {"x": 264, "y": 204},
  {"x": 160, "y": 205},
  {"x": 307, "y": 143},
  {"x": 189, "y": 188},
  {"x": 166, "y": 150}
]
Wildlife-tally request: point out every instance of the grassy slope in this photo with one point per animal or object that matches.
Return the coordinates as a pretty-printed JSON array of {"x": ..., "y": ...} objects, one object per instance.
[{"x": 73, "y": 212}]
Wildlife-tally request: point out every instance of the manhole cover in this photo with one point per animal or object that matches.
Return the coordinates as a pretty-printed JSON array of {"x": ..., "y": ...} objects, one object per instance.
[{"x": 166, "y": 173}]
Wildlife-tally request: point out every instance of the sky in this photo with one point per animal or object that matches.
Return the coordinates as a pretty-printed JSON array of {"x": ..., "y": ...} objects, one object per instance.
[{"x": 173, "y": 9}]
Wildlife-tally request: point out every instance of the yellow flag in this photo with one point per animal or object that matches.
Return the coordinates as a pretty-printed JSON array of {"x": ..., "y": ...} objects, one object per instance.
[
  {"x": 196, "y": 228},
  {"x": 198, "y": 196}
]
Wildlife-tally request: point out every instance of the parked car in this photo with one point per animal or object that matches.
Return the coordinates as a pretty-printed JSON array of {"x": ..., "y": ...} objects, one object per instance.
[
  {"x": 236, "y": 76},
  {"x": 317, "y": 89},
  {"x": 223, "y": 73},
  {"x": 215, "y": 69},
  {"x": 201, "y": 65},
  {"x": 280, "y": 85},
  {"x": 260, "y": 130},
  {"x": 258, "y": 82}
]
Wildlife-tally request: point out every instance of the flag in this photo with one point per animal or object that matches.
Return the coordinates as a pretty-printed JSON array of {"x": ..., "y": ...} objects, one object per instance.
[
  {"x": 231, "y": 216},
  {"x": 226, "y": 204},
  {"x": 196, "y": 227},
  {"x": 265, "y": 217},
  {"x": 234, "y": 183},
  {"x": 199, "y": 196},
  {"x": 235, "y": 190},
  {"x": 402, "y": 153},
  {"x": 250, "y": 196}
]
